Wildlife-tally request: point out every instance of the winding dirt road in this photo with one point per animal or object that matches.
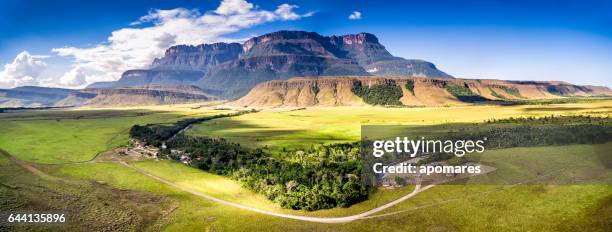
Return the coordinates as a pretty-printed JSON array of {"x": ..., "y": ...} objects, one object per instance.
[{"x": 345, "y": 219}]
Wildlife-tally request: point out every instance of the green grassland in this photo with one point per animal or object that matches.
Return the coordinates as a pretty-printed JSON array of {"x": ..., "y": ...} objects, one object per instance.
[
  {"x": 531, "y": 206},
  {"x": 539, "y": 205},
  {"x": 311, "y": 126},
  {"x": 227, "y": 189},
  {"x": 65, "y": 136},
  {"x": 115, "y": 196},
  {"x": 89, "y": 206}
]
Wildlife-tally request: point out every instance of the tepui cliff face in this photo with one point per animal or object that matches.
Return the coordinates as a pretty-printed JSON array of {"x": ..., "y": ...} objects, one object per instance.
[
  {"x": 414, "y": 91},
  {"x": 232, "y": 69}
]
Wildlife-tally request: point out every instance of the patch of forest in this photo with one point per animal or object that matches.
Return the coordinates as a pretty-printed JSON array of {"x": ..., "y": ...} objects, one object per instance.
[
  {"x": 464, "y": 93},
  {"x": 523, "y": 132},
  {"x": 324, "y": 177},
  {"x": 328, "y": 176},
  {"x": 388, "y": 93}
]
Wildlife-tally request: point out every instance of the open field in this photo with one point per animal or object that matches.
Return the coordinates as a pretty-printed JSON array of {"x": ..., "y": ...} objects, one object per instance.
[
  {"x": 342, "y": 124},
  {"x": 66, "y": 138},
  {"x": 63, "y": 136},
  {"x": 89, "y": 206},
  {"x": 558, "y": 207}
]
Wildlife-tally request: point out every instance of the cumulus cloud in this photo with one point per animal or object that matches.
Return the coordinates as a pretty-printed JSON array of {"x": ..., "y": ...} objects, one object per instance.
[
  {"x": 136, "y": 47},
  {"x": 24, "y": 70},
  {"x": 229, "y": 7},
  {"x": 74, "y": 78},
  {"x": 355, "y": 15}
]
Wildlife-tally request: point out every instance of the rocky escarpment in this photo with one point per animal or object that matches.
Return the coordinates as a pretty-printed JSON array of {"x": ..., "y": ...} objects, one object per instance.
[
  {"x": 232, "y": 69},
  {"x": 32, "y": 96},
  {"x": 143, "y": 77},
  {"x": 334, "y": 91},
  {"x": 374, "y": 57},
  {"x": 198, "y": 58},
  {"x": 136, "y": 95}
]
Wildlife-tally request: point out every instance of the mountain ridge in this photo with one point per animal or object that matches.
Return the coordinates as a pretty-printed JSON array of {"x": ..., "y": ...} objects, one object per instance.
[
  {"x": 340, "y": 91},
  {"x": 233, "y": 68}
]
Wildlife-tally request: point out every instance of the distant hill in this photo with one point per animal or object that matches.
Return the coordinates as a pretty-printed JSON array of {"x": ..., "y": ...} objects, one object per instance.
[
  {"x": 353, "y": 91},
  {"x": 121, "y": 96},
  {"x": 136, "y": 95},
  {"x": 232, "y": 69},
  {"x": 32, "y": 96}
]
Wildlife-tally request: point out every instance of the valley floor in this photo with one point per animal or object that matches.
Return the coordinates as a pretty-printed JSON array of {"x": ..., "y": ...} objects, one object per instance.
[{"x": 57, "y": 166}]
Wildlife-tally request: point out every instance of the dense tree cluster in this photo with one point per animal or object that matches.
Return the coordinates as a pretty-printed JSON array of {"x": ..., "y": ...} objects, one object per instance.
[
  {"x": 156, "y": 134},
  {"x": 321, "y": 177},
  {"x": 328, "y": 176},
  {"x": 511, "y": 90},
  {"x": 521, "y": 132},
  {"x": 410, "y": 86},
  {"x": 464, "y": 94},
  {"x": 552, "y": 119},
  {"x": 384, "y": 94},
  {"x": 542, "y": 131}
]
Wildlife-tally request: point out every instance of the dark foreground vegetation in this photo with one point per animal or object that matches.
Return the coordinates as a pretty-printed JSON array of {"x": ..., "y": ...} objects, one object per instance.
[
  {"x": 322, "y": 177},
  {"x": 464, "y": 94},
  {"x": 157, "y": 134},
  {"x": 329, "y": 176},
  {"x": 519, "y": 132},
  {"x": 385, "y": 94}
]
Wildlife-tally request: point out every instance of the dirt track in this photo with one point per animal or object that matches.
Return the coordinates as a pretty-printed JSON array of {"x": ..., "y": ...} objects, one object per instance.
[
  {"x": 345, "y": 219},
  {"x": 351, "y": 218}
]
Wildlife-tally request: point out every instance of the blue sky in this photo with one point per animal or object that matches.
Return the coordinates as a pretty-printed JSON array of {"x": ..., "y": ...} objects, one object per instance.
[{"x": 69, "y": 44}]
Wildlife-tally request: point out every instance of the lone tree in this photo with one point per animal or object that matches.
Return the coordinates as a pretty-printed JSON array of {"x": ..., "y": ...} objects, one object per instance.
[{"x": 400, "y": 181}]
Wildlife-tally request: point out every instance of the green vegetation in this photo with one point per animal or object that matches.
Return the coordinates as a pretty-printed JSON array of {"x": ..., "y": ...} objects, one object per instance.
[
  {"x": 400, "y": 181},
  {"x": 114, "y": 196},
  {"x": 509, "y": 90},
  {"x": 464, "y": 94},
  {"x": 64, "y": 136},
  {"x": 90, "y": 206},
  {"x": 495, "y": 94},
  {"x": 563, "y": 100},
  {"x": 482, "y": 207},
  {"x": 326, "y": 177},
  {"x": 410, "y": 86},
  {"x": 156, "y": 134},
  {"x": 317, "y": 126},
  {"x": 385, "y": 94},
  {"x": 502, "y": 134},
  {"x": 535, "y": 133},
  {"x": 512, "y": 91},
  {"x": 315, "y": 89},
  {"x": 61, "y": 140}
]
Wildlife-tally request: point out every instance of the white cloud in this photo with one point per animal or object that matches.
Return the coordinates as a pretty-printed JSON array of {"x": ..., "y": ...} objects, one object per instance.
[
  {"x": 285, "y": 12},
  {"x": 229, "y": 7},
  {"x": 73, "y": 78},
  {"x": 134, "y": 48},
  {"x": 355, "y": 15},
  {"x": 24, "y": 70}
]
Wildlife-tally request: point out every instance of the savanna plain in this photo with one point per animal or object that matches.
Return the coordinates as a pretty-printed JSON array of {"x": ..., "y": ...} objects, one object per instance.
[{"x": 63, "y": 160}]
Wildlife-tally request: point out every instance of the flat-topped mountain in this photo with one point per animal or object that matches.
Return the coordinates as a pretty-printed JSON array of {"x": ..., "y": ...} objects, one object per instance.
[
  {"x": 414, "y": 91},
  {"x": 32, "y": 96},
  {"x": 136, "y": 95},
  {"x": 197, "y": 58},
  {"x": 122, "y": 96},
  {"x": 232, "y": 69},
  {"x": 291, "y": 68}
]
